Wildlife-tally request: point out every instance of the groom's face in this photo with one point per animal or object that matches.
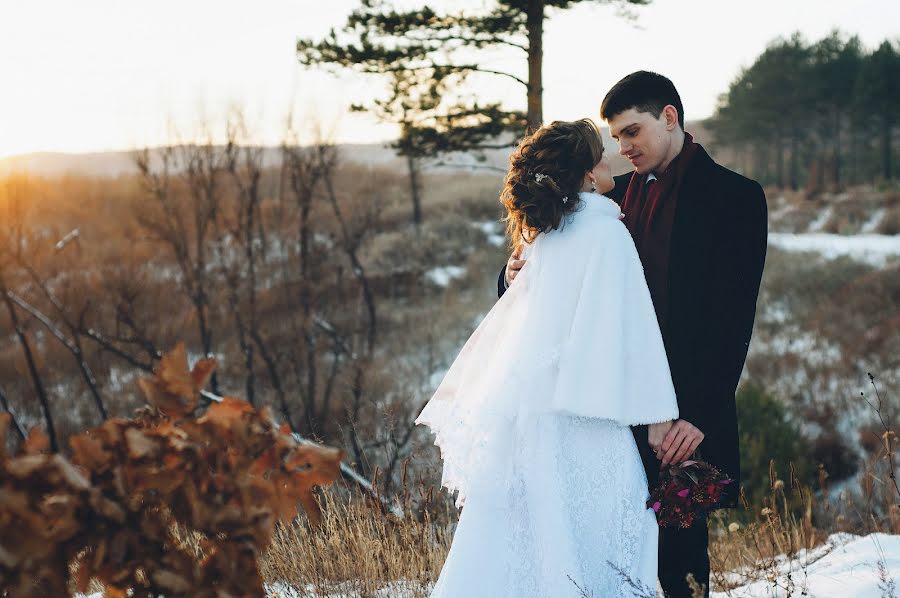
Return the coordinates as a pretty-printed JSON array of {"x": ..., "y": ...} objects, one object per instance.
[{"x": 643, "y": 138}]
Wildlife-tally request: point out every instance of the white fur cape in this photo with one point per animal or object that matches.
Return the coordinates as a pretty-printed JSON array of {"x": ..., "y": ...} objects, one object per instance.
[{"x": 576, "y": 333}]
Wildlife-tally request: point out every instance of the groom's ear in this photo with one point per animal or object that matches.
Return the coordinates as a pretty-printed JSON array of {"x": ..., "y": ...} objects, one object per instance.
[{"x": 670, "y": 114}]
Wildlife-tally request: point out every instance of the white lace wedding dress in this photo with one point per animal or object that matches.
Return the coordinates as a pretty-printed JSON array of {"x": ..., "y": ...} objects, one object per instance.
[{"x": 532, "y": 422}]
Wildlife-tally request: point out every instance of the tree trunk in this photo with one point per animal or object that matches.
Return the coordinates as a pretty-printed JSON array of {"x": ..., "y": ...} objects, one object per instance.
[
  {"x": 32, "y": 368},
  {"x": 779, "y": 166},
  {"x": 88, "y": 376},
  {"x": 766, "y": 162},
  {"x": 836, "y": 171},
  {"x": 795, "y": 161},
  {"x": 759, "y": 166},
  {"x": 853, "y": 176},
  {"x": 886, "y": 131},
  {"x": 201, "y": 306},
  {"x": 309, "y": 336},
  {"x": 535, "y": 25},
  {"x": 275, "y": 378},
  {"x": 415, "y": 188},
  {"x": 4, "y": 404}
]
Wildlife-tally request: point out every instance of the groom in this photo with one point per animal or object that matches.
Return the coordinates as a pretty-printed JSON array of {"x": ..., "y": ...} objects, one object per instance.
[{"x": 700, "y": 230}]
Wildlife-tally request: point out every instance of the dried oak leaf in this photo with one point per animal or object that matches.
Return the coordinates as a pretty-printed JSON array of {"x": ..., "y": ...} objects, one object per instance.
[
  {"x": 5, "y": 420},
  {"x": 227, "y": 413},
  {"x": 172, "y": 581},
  {"x": 70, "y": 474},
  {"x": 233, "y": 567},
  {"x": 61, "y": 512},
  {"x": 89, "y": 453},
  {"x": 174, "y": 389},
  {"x": 139, "y": 444},
  {"x": 24, "y": 466},
  {"x": 310, "y": 465},
  {"x": 36, "y": 443},
  {"x": 107, "y": 508}
]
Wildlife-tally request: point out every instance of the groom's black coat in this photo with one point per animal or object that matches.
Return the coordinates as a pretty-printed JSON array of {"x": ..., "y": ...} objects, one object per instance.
[{"x": 718, "y": 248}]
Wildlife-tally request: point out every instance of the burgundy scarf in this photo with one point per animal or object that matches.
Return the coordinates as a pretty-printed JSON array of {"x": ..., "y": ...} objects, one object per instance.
[{"x": 649, "y": 210}]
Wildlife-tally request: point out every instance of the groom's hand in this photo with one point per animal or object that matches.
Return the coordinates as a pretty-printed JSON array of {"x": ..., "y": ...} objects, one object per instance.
[
  {"x": 656, "y": 433},
  {"x": 513, "y": 265},
  {"x": 680, "y": 442}
]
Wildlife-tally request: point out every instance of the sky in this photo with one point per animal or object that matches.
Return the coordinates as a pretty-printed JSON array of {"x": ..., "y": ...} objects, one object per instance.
[{"x": 97, "y": 75}]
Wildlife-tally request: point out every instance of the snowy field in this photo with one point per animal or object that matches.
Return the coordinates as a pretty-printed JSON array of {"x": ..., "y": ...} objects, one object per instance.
[
  {"x": 846, "y": 566},
  {"x": 875, "y": 250}
]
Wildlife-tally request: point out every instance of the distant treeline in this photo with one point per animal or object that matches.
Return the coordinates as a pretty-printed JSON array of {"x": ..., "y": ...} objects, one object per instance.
[{"x": 814, "y": 115}]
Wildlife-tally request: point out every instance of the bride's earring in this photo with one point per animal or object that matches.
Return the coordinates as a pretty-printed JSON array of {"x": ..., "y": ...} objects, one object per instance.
[{"x": 593, "y": 185}]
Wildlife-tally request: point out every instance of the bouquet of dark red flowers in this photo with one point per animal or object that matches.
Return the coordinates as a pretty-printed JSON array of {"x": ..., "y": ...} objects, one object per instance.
[{"x": 687, "y": 492}]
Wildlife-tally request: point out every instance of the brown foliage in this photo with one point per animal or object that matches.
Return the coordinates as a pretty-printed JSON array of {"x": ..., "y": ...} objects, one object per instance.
[{"x": 228, "y": 474}]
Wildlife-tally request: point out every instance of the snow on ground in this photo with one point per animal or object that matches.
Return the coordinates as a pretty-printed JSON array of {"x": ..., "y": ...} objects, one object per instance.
[
  {"x": 492, "y": 231},
  {"x": 846, "y": 566},
  {"x": 442, "y": 275},
  {"x": 394, "y": 590},
  {"x": 282, "y": 590},
  {"x": 822, "y": 219},
  {"x": 815, "y": 350},
  {"x": 776, "y": 312},
  {"x": 778, "y": 208},
  {"x": 872, "y": 223},
  {"x": 436, "y": 377},
  {"x": 875, "y": 250},
  {"x": 120, "y": 379}
]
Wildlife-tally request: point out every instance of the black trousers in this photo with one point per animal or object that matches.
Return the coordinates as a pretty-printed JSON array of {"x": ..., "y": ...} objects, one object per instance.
[{"x": 683, "y": 551}]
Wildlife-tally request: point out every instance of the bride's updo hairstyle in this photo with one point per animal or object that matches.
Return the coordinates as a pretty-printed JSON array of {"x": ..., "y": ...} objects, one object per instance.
[{"x": 545, "y": 175}]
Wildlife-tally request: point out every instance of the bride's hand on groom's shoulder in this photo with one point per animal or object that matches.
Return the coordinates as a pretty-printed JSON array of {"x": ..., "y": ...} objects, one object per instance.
[
  {"x": 513, "y": 265},
  {"x": 680, "y": 442}
]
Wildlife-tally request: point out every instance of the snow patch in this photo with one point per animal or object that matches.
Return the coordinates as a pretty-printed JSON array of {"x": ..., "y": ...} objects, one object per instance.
[
  {"x": 815, "y": 350},
  {"x": 120, "y": 379},
  {"x": 323, "y": 240},
  {"x": 398, "y": 589},
  {"x": 845, "y": 566},
  {"x": 872, "y": 223},
  {"x": 442, "y": 275},
  {"x": 821, "y": 220},
  {"x": 776, "y": 312},
  {"x": 782, "y": 209},
  {"x": 492, "y": 231},
  {"x": 875, "y": 250},
  {"x": 436, "y": 377}
]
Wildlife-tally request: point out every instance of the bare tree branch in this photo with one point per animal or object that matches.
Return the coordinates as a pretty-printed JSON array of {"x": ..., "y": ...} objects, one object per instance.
[{"x": 4, "y": 403}]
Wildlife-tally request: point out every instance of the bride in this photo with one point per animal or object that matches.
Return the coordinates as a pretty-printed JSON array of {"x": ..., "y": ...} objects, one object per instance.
[{"x": 533, "y": 416}]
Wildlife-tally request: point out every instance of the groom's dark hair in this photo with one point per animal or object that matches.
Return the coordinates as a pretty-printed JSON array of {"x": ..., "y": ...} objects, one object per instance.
[{"x": 645, "y": 92}]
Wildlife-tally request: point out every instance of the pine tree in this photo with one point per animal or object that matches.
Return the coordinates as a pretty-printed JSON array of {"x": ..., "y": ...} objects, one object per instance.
[
  {"x": 430, "y": 56},
  {"x": 836, "y": 65},
  {"x": 826, "y": 108},
  {"x": 877, "y": 90},
  {"x": 768, "y": 107}
]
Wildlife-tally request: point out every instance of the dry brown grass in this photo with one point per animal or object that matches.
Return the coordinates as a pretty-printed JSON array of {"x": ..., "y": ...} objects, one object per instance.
[
  {"x": 358, "y": 550},
  {"x": 743, "y": 553},
  {"x": 890, "y": 223}
]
